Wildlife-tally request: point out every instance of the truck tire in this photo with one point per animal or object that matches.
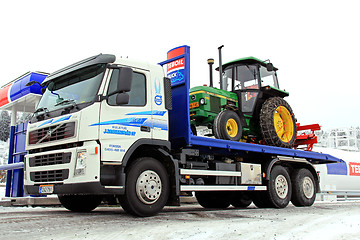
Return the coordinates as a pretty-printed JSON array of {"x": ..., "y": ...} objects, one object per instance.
[
  {"x": 213, "y": 199},
  {"x": 304, "y": 188},
  {"x": 146, "y": 188},
  {"x": 261, "y": 199},
  {"x": 227, "y": 125},
  {"x": 80, "y": 203},
  {"x": 279, "y": 187},
  {"x": 277, "y": 123},
  {"x": 240, "y": 200}
]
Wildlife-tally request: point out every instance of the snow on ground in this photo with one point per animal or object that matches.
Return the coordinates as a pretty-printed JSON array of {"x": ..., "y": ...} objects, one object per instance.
[{"x": 324, "y": 220}]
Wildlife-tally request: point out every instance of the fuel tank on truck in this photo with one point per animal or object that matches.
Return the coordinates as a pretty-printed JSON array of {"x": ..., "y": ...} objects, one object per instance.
[{"x": 343, "y": 176}]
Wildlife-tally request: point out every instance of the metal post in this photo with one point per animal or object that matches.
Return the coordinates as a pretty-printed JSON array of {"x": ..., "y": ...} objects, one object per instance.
[
  {"x": 11, "y": 152},
  {"x": 211, "y": 62},
  {"x": 222, "y": 83}
]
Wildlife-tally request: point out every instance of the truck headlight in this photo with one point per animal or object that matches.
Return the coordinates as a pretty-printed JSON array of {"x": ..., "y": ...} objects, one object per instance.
[{"x": 80, "y": 163}]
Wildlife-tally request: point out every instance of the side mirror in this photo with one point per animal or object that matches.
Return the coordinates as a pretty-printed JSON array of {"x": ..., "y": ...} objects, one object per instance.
[
  {"x": 269, "y": 67},
  {"x": 124, "y": 80},
  {"x": 122, "y": 98},
  {"x": 51, "y": 85}
]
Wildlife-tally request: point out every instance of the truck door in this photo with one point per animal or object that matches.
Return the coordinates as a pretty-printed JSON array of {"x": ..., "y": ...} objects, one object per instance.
[{"x": 121, "y": 125}]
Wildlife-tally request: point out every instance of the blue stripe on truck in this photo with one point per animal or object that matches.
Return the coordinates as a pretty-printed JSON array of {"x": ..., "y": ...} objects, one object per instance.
[{"x": 337, "y": 168}]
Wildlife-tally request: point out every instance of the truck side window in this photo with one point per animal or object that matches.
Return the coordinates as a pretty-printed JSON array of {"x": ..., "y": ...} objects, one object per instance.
[{"x": 137, "y": 94}]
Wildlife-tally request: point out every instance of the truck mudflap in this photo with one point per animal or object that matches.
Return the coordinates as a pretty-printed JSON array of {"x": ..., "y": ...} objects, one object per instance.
[{"x": 78, "y": 188}]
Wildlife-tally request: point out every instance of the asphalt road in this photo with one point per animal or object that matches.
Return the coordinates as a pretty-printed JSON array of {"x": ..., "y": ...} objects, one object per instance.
[{"x": 338, "y": 220}]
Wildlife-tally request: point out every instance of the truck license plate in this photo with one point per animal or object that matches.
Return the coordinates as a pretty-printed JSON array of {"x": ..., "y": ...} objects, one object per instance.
[{"x": 46, "y": 189}]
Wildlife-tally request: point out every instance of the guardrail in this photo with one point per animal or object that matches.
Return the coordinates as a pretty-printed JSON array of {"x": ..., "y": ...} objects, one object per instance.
[
  {"x": 342, "y": 195},
  {"x": 12, "y": 166}
]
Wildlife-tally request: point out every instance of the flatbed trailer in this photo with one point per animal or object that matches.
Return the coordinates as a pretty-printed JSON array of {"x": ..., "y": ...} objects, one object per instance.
[{"x": 146, "y": 156}]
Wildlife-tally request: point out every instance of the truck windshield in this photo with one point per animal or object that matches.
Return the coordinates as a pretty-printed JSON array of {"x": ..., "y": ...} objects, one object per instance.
[{"x": 80, "y": 86}]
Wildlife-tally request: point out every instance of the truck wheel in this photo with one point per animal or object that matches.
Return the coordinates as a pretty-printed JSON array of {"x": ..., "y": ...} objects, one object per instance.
[
  {"x": 80, "y": 203},
  {"x": 146, "y": 188},
  {"x": 227, "y": 125},
  {"x": 279, "y": 187},
  {"x": 213, "y": 199},
  {"x": 277, "y": 123},
  {"x": 261, "y": 199},
  {"x": 240, "y": 200},
  {"x": 304, "y": 188}
]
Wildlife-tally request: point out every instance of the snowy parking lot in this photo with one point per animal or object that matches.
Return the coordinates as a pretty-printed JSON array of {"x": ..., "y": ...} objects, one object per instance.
[{"x": 324, "y": 220}]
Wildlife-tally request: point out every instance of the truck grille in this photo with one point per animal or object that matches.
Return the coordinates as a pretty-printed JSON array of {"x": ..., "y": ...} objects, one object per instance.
[
  {"x": 50, "y": 159},
  {"x": 50, "y": 176},
  {"x": 52, "y": 133}
]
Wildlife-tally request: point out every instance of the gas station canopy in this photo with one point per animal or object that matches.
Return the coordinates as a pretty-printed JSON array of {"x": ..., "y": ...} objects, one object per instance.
[{"x": 16, "y": 96}]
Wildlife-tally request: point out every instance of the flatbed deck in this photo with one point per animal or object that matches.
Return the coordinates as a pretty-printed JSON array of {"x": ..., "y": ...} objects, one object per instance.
[{"x": 313, "y": 157}]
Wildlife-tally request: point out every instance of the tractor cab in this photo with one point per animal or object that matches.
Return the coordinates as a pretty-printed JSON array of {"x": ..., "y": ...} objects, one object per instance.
[{"x": 252, "y": 80}]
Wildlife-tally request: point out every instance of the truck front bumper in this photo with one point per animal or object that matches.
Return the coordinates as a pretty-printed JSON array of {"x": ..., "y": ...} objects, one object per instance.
[{"x": 78, "y": 188}]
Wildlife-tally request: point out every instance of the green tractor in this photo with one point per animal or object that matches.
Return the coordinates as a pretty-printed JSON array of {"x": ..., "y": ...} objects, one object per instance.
[{"x": 249, "y": 106}]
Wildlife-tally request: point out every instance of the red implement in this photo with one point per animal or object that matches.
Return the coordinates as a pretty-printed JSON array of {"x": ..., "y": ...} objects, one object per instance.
[{"x": 305, "y": 137}]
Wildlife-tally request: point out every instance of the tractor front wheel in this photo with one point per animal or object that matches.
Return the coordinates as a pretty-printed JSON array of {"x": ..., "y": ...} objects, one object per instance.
[
  {"x": 227, "y": 125},
  {"x": 277, "y": 122}
]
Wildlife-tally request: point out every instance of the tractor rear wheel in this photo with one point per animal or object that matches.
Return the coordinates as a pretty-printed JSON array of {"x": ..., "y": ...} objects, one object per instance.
[
  {"x": 277, "y": 122},
  {"x": 227, "y": 125}
]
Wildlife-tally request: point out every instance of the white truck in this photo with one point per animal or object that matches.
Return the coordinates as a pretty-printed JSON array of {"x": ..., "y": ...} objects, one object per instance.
[{"x": 113, "y": 127}]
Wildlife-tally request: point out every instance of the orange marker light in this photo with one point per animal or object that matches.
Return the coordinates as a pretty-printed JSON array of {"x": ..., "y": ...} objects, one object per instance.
[{"x": 187, "y": 177}]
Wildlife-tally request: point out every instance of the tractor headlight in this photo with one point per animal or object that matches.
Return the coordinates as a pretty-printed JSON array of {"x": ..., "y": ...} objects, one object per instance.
[
  {"x": 202, "y": 101},
  {"x": 80, "y": 163}
]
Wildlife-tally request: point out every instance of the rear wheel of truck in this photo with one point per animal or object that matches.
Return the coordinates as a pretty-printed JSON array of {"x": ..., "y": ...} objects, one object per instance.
[
  {"x": 278, "y": 192},
  {"x": 240, "y": 199},
  {"x": 227, "y": 125},
  {"x": 146, "y": 189},
  {"x": 213, "y": 199},
  {"x": 80, "y": 203},
  {"x": 277, "y": 123},
  {"x": 279, "y": 187},
  {"x": 304, "y": 188},
  {"x": 261, "y": 199}
]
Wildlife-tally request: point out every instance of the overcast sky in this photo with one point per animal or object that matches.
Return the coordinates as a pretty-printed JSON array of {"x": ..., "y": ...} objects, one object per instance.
[{"x": 315, "y": 44}]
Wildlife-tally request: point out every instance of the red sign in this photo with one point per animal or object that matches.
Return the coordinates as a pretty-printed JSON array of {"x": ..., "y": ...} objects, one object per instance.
[
  {"x": 4, "y": 95},
  {"x": 177, "y": 64},
  {"x": 354, "y": 169}
]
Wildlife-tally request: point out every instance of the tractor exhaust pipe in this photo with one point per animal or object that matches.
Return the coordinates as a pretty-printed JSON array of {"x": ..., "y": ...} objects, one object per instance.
[
  {"x": 211, "y": 62},
  {"x": 222, "y": 84}
]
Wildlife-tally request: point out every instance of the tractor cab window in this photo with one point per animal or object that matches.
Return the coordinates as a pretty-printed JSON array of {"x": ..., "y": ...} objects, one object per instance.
[
  {"x": 227, "y": 78},
  {"x": 268, "y": 78},
  {"x": 246, "y": 80},
  {"x": 246, "y": 77}
]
